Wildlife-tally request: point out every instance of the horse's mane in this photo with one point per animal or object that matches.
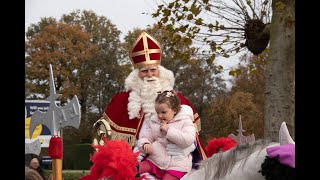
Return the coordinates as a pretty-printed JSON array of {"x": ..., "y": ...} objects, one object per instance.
[{"x": 223, "y": 162}]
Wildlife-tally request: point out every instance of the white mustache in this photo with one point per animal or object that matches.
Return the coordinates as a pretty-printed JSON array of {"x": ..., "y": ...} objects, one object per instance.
[{"x": 146, "y": 79}]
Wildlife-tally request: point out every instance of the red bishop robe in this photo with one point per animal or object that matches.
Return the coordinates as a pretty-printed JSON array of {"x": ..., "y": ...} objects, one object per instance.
[{"x": 116, "y": 114}]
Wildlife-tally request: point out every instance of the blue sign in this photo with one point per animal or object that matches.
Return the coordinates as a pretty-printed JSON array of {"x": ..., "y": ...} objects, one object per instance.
[{"x": 41, "y": 105}]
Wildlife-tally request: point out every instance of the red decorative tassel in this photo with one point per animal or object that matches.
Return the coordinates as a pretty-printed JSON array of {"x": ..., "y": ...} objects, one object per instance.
[
  {"x": 115, "y": 160},
  {"x": 219, "y": 144},
  {"x": 55, "y": 147}
]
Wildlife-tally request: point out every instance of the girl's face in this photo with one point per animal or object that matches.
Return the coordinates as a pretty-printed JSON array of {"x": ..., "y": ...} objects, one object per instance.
[{"x": 164, "y": 112}]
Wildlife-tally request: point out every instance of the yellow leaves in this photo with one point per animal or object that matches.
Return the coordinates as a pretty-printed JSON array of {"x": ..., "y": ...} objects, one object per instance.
[
  {"x": 199, "y": 21},
  {"x": 171, "y": 5},
  {"x": 188, "y": 41},
  {"x": 183, "y": 28},
  {"x": 194, "y": 9},
  {"x": 210, "y": 26},
  {"x": 164, "y": 19},
  {"x": 166, "y": 12},
  {"x": 226, "y": 55},
  {"x": 280, "y": 5},
  {"x": 211, "y": 59},
  {"x": 242, "y": 102},
  {"x": 235, "y": 72},
  {"x": 189, "y": 17}
]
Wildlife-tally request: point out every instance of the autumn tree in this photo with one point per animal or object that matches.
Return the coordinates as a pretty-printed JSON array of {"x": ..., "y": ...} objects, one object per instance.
[
  {"x": 111, "y": 65},
  {"x": 97, "y": 77},
  {"x": 223, "y": 116},
  {"x": 69, "y": 50},
  {"x": 224, "y": 27},
  {"x": 246, "y": 98},
  {"x": 249, "y": 76},
  {"x": 227, "y": 27},
  {"x": 65, "y": 47}
]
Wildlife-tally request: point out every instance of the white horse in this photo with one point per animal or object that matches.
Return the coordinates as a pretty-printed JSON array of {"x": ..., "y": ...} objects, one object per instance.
[{"x": 239, "y": 163}]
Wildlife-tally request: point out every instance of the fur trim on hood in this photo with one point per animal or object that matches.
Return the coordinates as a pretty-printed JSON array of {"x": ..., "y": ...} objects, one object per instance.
[{"x": 185, "y": 111}]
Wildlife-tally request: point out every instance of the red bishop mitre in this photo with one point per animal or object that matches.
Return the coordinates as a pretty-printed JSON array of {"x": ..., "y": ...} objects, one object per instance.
[{"x": 145, "y": 51}]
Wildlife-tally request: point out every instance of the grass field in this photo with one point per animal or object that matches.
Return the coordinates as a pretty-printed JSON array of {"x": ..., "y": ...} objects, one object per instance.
[{"x": 68, "y": 174}]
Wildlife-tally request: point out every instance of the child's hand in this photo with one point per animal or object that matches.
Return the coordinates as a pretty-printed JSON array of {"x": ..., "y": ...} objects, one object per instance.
[
  {"x": 164, "y": 127},
  {"x": 147, "y": 148}
]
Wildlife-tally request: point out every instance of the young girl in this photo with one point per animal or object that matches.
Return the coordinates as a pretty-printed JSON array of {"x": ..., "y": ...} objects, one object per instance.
[{"x": 169, "y": 139}]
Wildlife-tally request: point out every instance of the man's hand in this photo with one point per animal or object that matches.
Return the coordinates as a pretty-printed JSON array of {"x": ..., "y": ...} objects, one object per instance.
[{"x": 147, "y": 148}]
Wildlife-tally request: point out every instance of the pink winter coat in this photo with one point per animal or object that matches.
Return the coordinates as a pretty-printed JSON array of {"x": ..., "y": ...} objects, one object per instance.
[{"x": 171, "y": 150}]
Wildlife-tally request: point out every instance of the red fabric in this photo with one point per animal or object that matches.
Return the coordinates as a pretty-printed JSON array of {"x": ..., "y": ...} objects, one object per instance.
[
  {"x": 55, "y": 147},
  {"x": 115, "y": 160},
  {"x": 221, "y": 144},
  {"x": 117, "y": 111},
  {"x": 139, "y": 46},
  {"x": 155, "y": 56},
  {"x": 138, "y": 59},
  {"x": 152, "y": 44},
  {"x": 143, "y": 44}
]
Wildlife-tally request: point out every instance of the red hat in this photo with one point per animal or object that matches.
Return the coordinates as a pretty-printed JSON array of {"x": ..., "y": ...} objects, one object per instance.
[{"x": 145, "y": 51}]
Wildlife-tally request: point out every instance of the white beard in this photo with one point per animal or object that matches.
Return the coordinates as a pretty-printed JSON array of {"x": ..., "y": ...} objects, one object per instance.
[{"x": 143, "y": 93}]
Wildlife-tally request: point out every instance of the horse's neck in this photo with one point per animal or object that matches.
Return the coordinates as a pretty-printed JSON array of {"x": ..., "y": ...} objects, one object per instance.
[
  {"x": 248, "y": 162},
  {"x": 241, "y": 163},
  {"x": 244, "y": 152}
]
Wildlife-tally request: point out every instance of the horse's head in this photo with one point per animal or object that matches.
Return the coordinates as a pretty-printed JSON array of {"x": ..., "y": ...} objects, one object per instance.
[
  {"x": 241, "y": 162},
  {"x": 280, "y": 160}
]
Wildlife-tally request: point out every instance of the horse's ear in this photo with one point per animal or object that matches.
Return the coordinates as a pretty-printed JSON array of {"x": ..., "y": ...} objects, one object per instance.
[{"x": 284, "y": 136}]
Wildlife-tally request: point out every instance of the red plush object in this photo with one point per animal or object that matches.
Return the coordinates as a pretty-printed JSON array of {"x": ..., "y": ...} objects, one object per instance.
[
  {"x": 221, "y": 144},
  {"x": 55, "y": 147},
  {"x": 114, "y": 160}
]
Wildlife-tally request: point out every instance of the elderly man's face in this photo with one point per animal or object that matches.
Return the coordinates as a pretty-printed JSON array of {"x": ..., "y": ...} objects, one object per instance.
[{"x": 149, "y": 71}]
